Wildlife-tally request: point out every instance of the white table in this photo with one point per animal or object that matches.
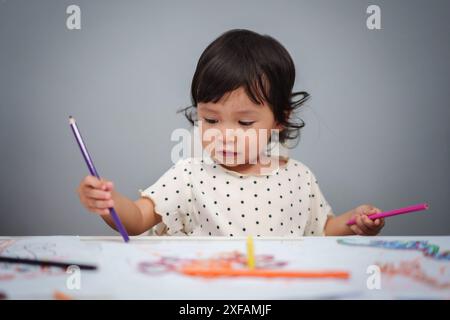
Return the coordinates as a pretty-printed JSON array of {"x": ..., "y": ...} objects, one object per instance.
[{"x": 127, "y": 271}]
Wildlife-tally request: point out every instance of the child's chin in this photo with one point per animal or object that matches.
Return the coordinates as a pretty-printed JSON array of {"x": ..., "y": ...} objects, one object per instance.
[{"x": 229, "y": 162}]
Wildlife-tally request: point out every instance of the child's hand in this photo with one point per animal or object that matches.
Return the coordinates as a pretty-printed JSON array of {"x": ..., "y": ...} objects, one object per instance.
[
  {"x": 96, "y": 195},
  {"x": 365, "y": 226}
]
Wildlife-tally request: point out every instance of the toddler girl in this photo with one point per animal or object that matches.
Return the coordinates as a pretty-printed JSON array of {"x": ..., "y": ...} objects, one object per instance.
[{"x": 242, "y": 103}]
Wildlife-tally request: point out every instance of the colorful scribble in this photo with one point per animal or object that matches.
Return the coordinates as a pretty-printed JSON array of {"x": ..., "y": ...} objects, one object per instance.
[
  {"x": 30, "y": 251},
  {"x": 234, "y": 259},
  {"x": 15, "y": 272},
  {"x": 428, "y": 249},
  {"x": 413, "y": 270}
]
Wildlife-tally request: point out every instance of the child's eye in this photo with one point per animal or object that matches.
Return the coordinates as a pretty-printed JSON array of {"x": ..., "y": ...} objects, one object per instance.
[
  {"x": 246, "y": 123},
  {"x": 212, "y": 121}
]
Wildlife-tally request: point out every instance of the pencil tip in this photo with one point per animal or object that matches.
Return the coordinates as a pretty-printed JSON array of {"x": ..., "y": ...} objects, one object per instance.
[{"x": 71, "y": 120}]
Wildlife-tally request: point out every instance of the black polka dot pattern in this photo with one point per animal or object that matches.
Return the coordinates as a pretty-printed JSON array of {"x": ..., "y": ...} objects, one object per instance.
[{"x": 203, "y": 198}]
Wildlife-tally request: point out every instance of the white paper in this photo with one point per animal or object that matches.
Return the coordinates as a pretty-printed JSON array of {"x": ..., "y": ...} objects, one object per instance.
[{"x": 135, "y": 271}]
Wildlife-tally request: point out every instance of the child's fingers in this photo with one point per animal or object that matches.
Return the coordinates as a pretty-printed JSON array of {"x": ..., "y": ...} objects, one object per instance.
[
  {"x": 108, "y": 185},
  {"x": 369, "y": 223},
  {"x": 93, "y": 182},
  {"x": 374, "y": 229},
  {"x": 361, "y": 225},
  {"x": 356, "y": 230},
  {"x": 372, "y": 210},
  {"x": 379, "y": 223},
  {"x": 369, "y": 231},
  {"x": 100, "y": 204},
  {"x": 98, "y": 194}
]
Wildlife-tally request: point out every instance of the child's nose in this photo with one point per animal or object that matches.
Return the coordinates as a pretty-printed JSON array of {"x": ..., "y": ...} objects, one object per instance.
[{"x": 227, "y": 136}]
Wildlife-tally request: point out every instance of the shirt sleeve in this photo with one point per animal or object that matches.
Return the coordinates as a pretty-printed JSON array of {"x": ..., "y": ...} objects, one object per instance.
[
  {"x": 170, "y": 195},
  {"x": 319, "y": 210}
]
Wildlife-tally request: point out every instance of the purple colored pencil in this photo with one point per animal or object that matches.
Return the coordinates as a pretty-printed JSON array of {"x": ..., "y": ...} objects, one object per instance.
[
  {"x": 94, "y": 172},
  {"x": 413, "y": 208}
]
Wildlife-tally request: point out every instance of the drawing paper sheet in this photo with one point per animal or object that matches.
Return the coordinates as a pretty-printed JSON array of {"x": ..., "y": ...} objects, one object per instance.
[{"x": 148, "y": 269}]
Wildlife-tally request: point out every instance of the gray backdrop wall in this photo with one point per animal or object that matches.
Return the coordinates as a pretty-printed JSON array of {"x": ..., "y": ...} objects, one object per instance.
[{"x": 377, "y": 127}]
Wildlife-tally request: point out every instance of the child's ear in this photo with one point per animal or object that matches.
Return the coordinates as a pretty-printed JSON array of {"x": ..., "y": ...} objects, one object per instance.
[{"x": 279, "y": 126}]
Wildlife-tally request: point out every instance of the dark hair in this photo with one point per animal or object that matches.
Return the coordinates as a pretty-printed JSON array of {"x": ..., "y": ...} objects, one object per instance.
[{"x": 260, "y": 64}]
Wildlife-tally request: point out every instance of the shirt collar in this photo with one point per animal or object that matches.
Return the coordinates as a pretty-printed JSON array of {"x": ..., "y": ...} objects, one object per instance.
[{"x": 212, "y": 161}]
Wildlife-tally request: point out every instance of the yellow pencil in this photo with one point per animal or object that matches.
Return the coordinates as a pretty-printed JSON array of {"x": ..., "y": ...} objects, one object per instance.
[{"x": 250, "y": 253}]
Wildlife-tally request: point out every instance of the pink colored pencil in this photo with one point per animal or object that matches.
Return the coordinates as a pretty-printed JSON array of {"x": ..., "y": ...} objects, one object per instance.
[{"x": 416, "y": 207}]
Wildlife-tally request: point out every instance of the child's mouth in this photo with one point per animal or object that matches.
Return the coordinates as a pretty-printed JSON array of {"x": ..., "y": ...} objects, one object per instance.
[{"x": 228, "y": 154}]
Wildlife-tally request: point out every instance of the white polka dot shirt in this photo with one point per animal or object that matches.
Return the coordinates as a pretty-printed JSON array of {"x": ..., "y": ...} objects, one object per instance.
[{"x": 202, "y": 198}]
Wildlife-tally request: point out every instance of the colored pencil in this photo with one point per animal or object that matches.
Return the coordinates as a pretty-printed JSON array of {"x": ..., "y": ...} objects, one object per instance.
[
  {"x": 46, "y": 263},
  {"x": 413, "y": 208},
  {"x": 94, "y": 172},
  {"x": 250, "y": 253},
  {"x": 262, "y": 273}
]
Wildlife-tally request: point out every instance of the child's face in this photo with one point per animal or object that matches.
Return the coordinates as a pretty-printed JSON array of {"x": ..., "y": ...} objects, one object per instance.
[{"x": 235, "y": 130}]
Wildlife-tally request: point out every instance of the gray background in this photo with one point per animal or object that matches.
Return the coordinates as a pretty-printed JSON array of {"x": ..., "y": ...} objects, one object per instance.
[{"x": 377, "y": 128}]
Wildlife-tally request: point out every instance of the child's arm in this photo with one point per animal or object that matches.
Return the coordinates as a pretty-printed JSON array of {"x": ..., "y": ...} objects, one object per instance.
[
  {"x": 99, "y": 195},
  {"x": 337, "y": 226}
]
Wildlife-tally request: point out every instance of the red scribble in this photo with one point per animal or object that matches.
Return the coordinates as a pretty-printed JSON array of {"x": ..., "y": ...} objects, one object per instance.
[{"x": 413, "y": 269}]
